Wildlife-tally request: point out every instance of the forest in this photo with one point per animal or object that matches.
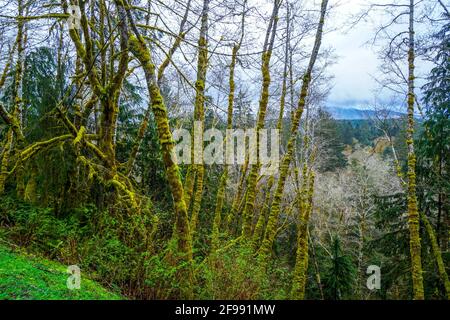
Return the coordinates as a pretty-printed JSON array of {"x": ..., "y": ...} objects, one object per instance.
[{"x": 113, "y": 161}]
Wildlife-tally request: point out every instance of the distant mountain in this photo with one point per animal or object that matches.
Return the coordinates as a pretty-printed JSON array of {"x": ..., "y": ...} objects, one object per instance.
[{"x": 339, "y": 113}]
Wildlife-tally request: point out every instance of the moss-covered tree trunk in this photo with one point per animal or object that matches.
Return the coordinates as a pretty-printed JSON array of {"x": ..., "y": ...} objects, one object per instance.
[
  {"x": 7, "y": 146},
  {"x": 144, "y": 124},
  {"x": 199, "y": 115},
  {"x": 437, "y": 254},
  {"x": 302, "y": 257},
  {"x": 413, "y": 214},
  {"x": 230, "y": 222},
  {"x": 262, "y": 218}
]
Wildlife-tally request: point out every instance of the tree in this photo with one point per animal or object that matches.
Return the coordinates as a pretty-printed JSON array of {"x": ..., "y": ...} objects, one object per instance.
[
  {"x": 402, "y": 47},
  {"x": 330, "y": 134},
  {"x": 340, "y": 272},
  {"x": 432, "y": 146}
]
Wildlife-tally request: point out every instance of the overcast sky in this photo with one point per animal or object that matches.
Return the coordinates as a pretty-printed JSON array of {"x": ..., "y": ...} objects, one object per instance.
[
  {"x": 353, "y": 84},
  {"x": 357, "y": 64}
]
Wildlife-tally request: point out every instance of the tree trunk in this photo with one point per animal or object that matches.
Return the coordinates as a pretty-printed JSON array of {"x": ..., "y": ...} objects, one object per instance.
[
  {"x": 437, "y": 254},
  {"x": 301, "y": 263},
  {"x": 199, "y": 115},
  {"x": 413, "y": 215}
]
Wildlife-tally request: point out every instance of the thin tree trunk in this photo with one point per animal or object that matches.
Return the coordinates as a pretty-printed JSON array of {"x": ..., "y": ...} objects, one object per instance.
[
  {"x": 301, "y": 263},
  {"x": 5, "y": 160},
  {"x": 230, "y": 218},
  {"x": 259, "y": 228},
  {"x": 316, "y": 266},
  {"x": 413, "y": 214},
  {"x": 144, "y": 124},
  {"x": 437, "y": 254},
  {"x": 199, "y": 115}
]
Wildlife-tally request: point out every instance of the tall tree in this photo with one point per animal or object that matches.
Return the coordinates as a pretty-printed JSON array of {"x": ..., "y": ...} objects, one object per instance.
[{"x": 413, "y": 213}]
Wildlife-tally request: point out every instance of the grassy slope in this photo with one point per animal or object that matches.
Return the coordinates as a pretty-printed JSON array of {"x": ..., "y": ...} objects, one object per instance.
[{"x": 31, "y": 278}]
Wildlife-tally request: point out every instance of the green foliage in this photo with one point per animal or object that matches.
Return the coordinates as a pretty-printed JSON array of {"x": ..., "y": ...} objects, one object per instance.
[
  {"x": 433, "y": 144},
  {"x": 234, "y": 274},
  {"x": 333, "y": 139},
  {"x": 41, "y": 91},
  {"x": 433, "y": 166},
  {"x": 162, "y": 272},
  {"x": 391, "y": 244},
  {"x": 340, "y": 273},
  {"x": 113, "y": 248}
]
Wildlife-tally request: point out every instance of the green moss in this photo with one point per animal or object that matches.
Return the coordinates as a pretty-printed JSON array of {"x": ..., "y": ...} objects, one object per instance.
[
  {"x": 437, "y": 254},
  {"x": 302, "y": 257},
  {"x": 5, "y": 161},
  {"x": 262, "y": 218},
  {"x": 24, "y": 277},
  {"x": 138, "y": 48},
  {"x": 218, "y": 211},
  {"x": 254, "y": 171},
  {"x": 79, "y": 136},
  {"x": 30, "y": 190}
]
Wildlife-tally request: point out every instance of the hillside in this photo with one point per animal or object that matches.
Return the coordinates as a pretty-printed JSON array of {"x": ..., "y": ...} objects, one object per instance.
[
  {"x": 339, "y": 113},
  {"x": 23, "y": 277}
]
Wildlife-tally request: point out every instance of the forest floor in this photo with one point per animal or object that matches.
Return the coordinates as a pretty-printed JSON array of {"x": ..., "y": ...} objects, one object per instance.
[{"x": 25, "y": 277}]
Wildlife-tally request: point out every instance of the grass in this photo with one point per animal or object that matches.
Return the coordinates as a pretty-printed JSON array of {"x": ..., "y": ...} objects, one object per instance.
[{"x": 23, "y": 277}]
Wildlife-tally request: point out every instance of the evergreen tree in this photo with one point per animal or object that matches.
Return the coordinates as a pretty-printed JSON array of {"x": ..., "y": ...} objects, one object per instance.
[
  {"x": 331, "y": 136},
  {"x": 340, "y": 273}
]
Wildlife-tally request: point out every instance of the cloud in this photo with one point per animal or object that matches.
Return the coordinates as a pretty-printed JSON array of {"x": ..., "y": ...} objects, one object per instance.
[{"x": 357, "y": 62}]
